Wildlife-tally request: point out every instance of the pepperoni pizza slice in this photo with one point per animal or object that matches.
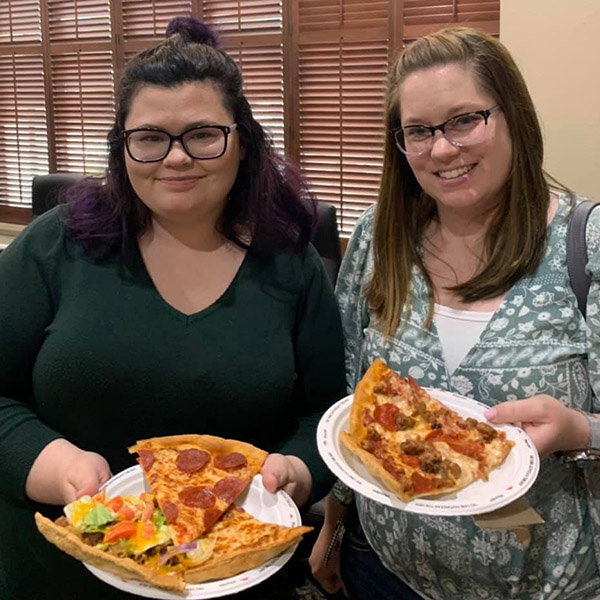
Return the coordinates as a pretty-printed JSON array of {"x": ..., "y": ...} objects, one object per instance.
[
  {"x": 195, "y": 478},
  {"x": 415, "y": 444}
]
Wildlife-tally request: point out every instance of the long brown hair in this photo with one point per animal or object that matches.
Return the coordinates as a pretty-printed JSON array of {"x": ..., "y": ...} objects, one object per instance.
[{"x": 515, "y": 242}]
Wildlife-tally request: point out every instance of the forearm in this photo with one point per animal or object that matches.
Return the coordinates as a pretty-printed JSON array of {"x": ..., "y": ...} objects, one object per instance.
[
  {"x": 334, "y": 511},
  {"x": 303, "y": 481}
]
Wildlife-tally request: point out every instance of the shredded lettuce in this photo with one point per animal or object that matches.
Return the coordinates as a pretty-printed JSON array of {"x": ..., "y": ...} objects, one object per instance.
[
  {"x": 97, "y": 519},
  {"x": 158, "y": 518}
]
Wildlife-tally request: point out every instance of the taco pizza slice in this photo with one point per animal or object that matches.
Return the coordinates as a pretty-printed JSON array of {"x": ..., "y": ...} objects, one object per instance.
[{"x": 129, "y": 537}]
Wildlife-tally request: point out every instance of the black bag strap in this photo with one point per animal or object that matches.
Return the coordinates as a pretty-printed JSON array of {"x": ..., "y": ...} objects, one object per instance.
[{"x": 577, "y": 255}]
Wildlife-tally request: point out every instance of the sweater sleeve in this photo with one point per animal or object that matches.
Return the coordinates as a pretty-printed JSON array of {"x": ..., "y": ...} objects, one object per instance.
[
  {"x": 26, "y": 310},
  {"x": 319, "y": 368}
]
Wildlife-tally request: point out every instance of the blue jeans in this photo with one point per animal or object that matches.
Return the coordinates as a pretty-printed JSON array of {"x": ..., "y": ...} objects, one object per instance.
[{"x": 363, "y": 573}]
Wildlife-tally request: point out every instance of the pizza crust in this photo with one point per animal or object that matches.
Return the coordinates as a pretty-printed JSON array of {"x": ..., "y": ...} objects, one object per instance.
[
  {"x": 362, "y": 398},
  {"x": 126, "y": 568},
  {"x": 243, "y": 560}
]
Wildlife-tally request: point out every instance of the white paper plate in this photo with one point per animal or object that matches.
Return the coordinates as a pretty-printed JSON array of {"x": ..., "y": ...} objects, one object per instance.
[
  {"x": 506, "y": 483},
  {"x": 276, "y": 508}
]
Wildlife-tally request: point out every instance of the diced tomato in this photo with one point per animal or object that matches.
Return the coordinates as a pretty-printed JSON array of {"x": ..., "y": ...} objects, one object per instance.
[
  {"x": 99, "y": 497},
  {"x": 146, "y": 497},
  {"x": 120, "y": 531},
  {"x": 125, "y": 513},
  {"x": 410, "y": 460},
  {"x": 114, "y": 504},
  {"x": 421, "y": 483},
  {"x": 148, "y": 512},
  {"x": 148, "y": 531},
  {"x": 385, "y": 415}
]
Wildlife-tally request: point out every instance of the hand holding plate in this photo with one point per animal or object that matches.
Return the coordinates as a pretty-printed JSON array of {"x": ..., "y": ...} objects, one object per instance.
[
  {"x": 288, "y": 473},
  {"x": 551, "y": 426}
]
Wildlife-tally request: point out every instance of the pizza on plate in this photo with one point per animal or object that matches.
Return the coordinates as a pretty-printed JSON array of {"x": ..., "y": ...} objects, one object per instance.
[
  {"x": 196, "y": 478},
  {"x": 129, "y": 537},
  {"x": 413, "y": 443}
]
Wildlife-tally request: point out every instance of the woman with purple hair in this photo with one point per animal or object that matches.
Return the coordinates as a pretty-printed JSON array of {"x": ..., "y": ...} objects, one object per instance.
[{"x": 179, "y": 294}]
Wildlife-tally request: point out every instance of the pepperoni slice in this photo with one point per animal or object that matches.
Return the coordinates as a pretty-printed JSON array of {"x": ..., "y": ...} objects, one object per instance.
[
  {"x": 385, "y": 415},
  {"x": 170, "y": 511},
  {"x": 211, "y": 516},
  {"x": 234, "y": 460},
  {"x": 229, "y": 488},
  {"x": 146, "y": 459},
  {"x": 421, "y": 484},
  {"x": 410, "y": 460},
  {"x": 192, "y": 460},
  {"x": 197, "y": 497}
]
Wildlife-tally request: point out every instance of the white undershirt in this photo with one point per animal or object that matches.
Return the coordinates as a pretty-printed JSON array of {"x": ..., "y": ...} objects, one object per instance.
[{"x": 459, "y": 331}]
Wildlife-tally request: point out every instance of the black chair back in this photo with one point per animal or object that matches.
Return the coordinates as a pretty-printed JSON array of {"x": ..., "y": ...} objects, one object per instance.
[
  {"x": 326, "y": 240},
  {"x": 45, "y": 190}
]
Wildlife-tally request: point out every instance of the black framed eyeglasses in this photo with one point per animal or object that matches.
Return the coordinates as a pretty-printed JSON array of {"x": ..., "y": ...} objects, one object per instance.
[
  {"x": 149, "y": 144},
  {"x": 466, "y": 129}
]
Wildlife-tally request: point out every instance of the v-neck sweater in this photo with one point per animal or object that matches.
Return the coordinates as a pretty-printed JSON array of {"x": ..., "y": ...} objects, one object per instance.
[{"x": 92, "y": 352}]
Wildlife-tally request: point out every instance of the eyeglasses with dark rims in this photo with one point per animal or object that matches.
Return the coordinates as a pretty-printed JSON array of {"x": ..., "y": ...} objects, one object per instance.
[
  {"x": 466, "y": 129},
  {"x": 205, "y": 142}
]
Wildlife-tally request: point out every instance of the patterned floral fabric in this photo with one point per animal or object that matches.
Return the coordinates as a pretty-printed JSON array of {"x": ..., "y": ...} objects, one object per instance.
[{"x": 537, "y": 342}]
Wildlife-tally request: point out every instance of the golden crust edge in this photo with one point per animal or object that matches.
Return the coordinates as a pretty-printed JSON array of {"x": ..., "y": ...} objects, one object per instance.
[
  {"x": 374, "y": 467},
  {"x": 211, "y": 443},
  {"x": 68, "y": 542},
  {"x": 244, "y": 560},
  {"x": 363, "y": 395}
]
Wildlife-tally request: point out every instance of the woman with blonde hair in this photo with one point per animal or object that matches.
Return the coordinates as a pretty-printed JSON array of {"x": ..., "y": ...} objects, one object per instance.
[{"x": 458, "y": 278}]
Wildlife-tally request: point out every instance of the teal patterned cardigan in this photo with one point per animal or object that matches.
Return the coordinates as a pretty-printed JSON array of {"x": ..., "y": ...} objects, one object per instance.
[{"x": 537, "y": 342}]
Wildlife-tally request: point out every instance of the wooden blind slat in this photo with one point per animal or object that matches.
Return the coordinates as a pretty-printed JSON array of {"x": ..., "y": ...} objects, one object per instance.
[
  {"x": 262, "y": 69},
  {"x": 79, "y": 20},
  {"x": 149, "y": 18},
  {"x": 326, "y": 14},
  {"x": 83, "y": 99},
  {"x": 341, "y": 107},
  {"x": 23, "y": 133},
  {"x": 255, "y": 16},
  {"x": 20, "y": 21}
]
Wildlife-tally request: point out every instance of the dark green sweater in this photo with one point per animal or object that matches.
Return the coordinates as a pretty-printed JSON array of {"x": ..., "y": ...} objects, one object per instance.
[{"x": 91, "y": 352}]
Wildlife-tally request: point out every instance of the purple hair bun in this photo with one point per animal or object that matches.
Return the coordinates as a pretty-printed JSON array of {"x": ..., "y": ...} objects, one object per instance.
[{"x": 192, "y": 31}]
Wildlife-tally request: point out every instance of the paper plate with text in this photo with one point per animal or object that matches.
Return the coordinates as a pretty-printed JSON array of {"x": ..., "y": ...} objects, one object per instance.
[
  {"x": 506, "y": 483},
  {"x": 276, "y": 508}
]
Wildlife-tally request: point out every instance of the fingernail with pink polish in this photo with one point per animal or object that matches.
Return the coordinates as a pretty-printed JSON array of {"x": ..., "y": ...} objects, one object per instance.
[{"x": 490, "y": 413}]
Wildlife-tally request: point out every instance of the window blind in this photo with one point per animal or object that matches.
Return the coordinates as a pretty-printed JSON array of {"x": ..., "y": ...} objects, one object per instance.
[
  {"x": 343, "y": 61},
  {"x": 314, "y": 72},
  {"x": 23, "y": 133},
  {"x": 341, "y": 90}
]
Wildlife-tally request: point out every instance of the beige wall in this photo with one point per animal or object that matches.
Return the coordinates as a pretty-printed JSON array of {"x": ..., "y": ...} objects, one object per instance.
[{"x": 556, "y": 44}]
